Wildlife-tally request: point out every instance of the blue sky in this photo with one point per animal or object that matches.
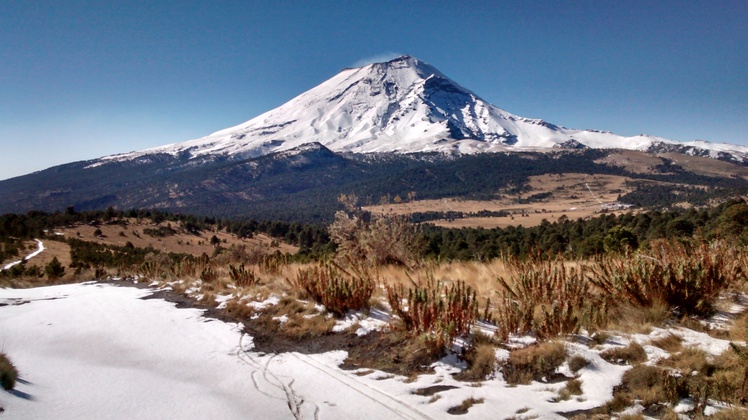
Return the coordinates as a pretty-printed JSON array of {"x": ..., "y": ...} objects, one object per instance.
[{"x": 83, "y": 79}]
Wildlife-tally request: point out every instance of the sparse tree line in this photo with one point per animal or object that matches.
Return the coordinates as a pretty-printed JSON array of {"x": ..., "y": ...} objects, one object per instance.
[
  {"x": 570, "y": 238},
  {"x": 585, "y": 238}
]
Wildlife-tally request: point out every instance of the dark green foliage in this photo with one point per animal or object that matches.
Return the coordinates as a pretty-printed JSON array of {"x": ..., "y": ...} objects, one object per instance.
[
  {"x": 585, "y": 238},
  {"x": 160, "y": 232},
  {"x": 620, "y": 239},
  {"x": 54, "y": 269},
  {"x": 86, "y": 254},
  {"x": 311, "y": 179}
]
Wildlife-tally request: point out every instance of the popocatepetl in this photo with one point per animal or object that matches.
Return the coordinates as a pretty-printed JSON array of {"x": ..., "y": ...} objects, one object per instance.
[{"x": 405, "y": 105}]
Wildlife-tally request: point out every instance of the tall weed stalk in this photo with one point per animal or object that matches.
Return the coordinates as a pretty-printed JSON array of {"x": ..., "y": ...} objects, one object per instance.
[
  {"x": 447, "y": 312},
  {"x": 547, "y": 299},
  {"x": 337, "y": 289},
  {"x": 687, "y": 278}
]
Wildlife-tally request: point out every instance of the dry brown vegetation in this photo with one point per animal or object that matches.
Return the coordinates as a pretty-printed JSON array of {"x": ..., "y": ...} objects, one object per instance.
[
  {"x": 434, "y": 303},
  {"x": 8, "y": 372},
  {"x": 534, "y": 363},
  {"x": 338, "y": 290}
]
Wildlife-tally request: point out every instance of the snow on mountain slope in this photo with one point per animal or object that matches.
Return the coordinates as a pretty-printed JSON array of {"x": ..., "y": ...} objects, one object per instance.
[{"x": 406, "y": 105}]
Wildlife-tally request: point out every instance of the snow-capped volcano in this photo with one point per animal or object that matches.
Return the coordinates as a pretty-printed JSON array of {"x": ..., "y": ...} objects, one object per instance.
[{"x": 405, "y": 105}]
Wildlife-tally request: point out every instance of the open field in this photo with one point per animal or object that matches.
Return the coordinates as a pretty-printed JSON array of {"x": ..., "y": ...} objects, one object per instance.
[
  {"x": 180, "y": 241},
  {"x": 645, "y": 163},
  {"x": 572, "y": 195}
]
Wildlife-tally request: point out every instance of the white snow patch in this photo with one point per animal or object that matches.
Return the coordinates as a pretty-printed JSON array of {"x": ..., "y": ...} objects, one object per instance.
[{"x": 39, "y": 249}]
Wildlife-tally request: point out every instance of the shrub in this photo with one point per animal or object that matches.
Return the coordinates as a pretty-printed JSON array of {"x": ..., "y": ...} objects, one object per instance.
[
  {"x": 631, "y": 354},
  {"x": 54, "y": 269},
  {"x": 337, "y": 289},
  {"x": 447, "y": 312},
  {"x": 482, "y": 360},
  {"x": 8, "y": 373},
  {"x": 241, "y": 276},
  {"x": 537, "y": 362},
  {"x": 572, "y": 387},
  {"x": 577, "y": 363},
  {"x": 686, "y": 278},
  {"x": 273, "y": 263},
  {"x": 620, "y": 239},
  {"x": 547, "y": 299},
  {"x": 208, "y": 274},
  {"x": 670, "y": 343},
  {"x": 378, "y": 240},
  {"x": 464, "y": 406}
]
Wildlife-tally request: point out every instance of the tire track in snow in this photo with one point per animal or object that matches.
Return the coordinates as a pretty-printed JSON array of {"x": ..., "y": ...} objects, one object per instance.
[
  {"x": 386, "y": 401},
  {"x": 293, "y": 400}
]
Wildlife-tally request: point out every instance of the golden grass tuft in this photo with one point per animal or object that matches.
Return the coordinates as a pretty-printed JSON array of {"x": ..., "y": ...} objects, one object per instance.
[
  {"x": 534, "y": 363},
  {"x": 8, "y": 373},
  {"x": 629, "y": 318},
  {"x": 577, "y": 363},
  {"x": 632, "y": 354},
  {"x": 482, "y": 362},
  {"x": 671, "y": 343}
]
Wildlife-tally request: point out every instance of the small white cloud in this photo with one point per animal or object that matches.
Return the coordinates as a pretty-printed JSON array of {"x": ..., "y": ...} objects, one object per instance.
[{"x": 378, "y": 58}]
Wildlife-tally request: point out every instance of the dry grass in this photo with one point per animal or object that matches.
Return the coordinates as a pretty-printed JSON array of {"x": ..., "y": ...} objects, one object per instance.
[
  {"x": 632, "y": 354},
  {"x": 570, "y": 197},
  {"x": 464, "y": 406},
  {"x": 291, "y": 317},
  {"x": 534, "y": 363},
  {"x": 482, "y": 361},
  {"x": 739, "y": 328},
  {"x": 671, "y": 343},
  {"x": 300, "y": 326},
  {"x": 576, "y": 363},
  {"x": 8, "y": 373},
  {"x": 688, "y": 362},
  {"x": 180, "y": 242},
  {"x": 572, "y": 387},
  {"x": 643, "y": 383},
  {"x": 639, "y": 320}
]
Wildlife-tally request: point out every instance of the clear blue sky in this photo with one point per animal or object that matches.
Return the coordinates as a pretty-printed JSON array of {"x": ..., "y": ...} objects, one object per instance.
[{"x": 83, "y": 79}]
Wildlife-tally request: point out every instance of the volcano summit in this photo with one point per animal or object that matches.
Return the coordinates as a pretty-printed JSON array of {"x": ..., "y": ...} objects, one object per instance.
[{"x": 406, "y": 106}]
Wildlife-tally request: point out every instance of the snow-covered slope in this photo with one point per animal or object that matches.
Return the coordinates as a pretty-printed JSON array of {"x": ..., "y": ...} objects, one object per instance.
[{"x": 406, "y": 105}]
